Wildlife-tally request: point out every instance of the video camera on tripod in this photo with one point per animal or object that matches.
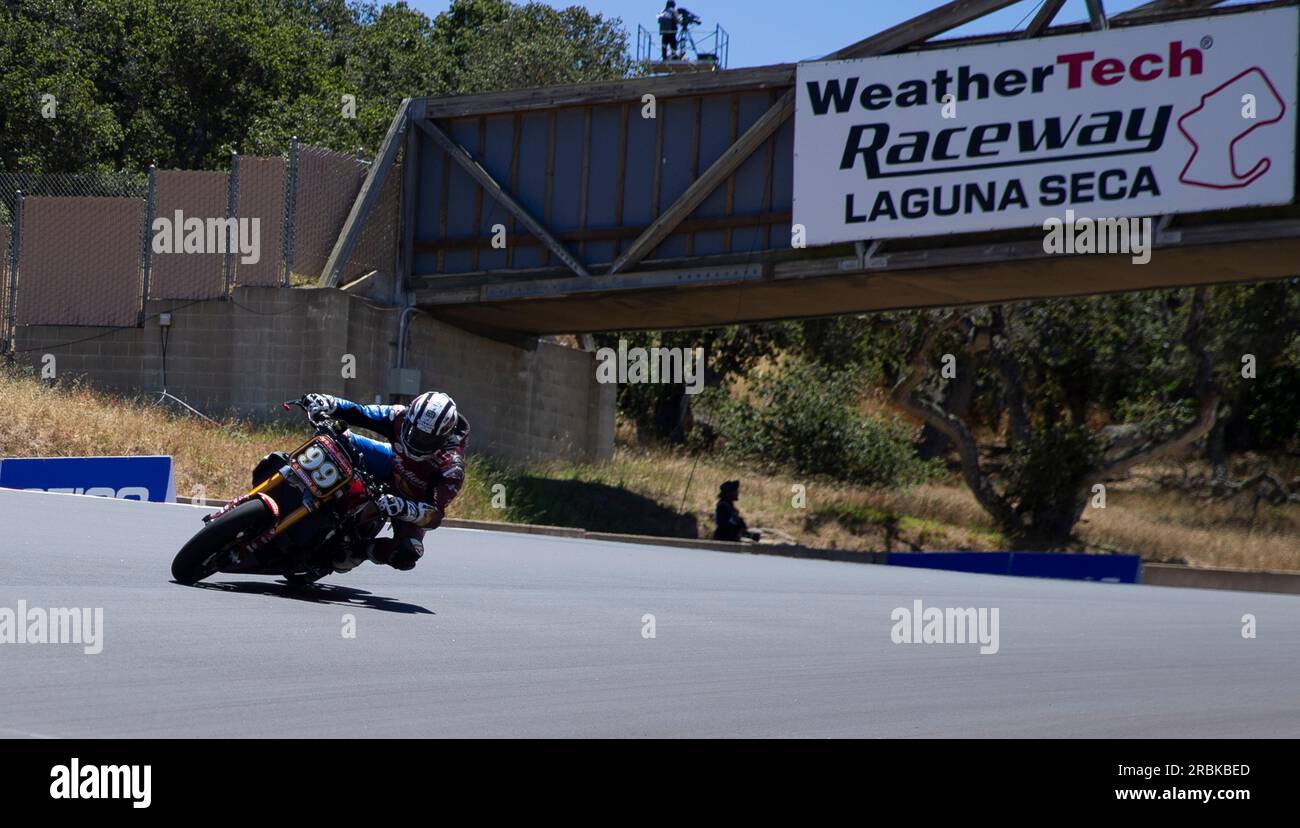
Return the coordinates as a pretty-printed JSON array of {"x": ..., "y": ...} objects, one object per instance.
[{"x": 685, "y": 17}]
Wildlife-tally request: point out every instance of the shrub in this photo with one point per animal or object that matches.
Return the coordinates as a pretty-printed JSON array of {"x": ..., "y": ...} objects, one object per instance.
[
  {"x": 804, "y": 418},
  {"x": 1045, "y": 475}
]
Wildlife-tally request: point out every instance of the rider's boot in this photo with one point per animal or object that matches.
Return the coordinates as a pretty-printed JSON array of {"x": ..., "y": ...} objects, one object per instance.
[
  {"x": 348, "y": 557},
  {"x": 377, "y": 551}
]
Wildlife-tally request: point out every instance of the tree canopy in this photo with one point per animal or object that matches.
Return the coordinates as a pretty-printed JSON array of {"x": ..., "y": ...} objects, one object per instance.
[{"x": 95, "y": 85}]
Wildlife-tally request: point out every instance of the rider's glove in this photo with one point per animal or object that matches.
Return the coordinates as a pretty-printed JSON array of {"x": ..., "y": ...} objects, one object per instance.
[
  {"x": 398, "y": 508},
  {"x": 321, "y": 404}
]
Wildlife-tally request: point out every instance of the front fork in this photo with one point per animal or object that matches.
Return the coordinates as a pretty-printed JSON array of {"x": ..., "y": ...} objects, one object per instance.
[
  {"x": 288, "y": 520},
  {"x": 282, "y": 524},
  {"x": 261, "y": 491}
]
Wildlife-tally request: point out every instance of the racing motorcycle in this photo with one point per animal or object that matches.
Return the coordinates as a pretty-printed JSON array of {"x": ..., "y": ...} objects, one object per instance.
[{"x": 305, "y": 509}]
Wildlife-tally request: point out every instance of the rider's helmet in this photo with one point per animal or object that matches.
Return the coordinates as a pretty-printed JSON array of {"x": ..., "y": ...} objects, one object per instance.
[{"x": 428, "y": 424}]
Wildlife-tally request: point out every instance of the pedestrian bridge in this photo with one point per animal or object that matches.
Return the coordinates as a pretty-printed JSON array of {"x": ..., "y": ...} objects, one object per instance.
[{"x": 669, "y": 201}]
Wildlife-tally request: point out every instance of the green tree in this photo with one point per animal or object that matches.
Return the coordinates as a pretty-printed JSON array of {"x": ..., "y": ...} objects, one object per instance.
[
  {"x": 43, "y": 53},
  {"x": 1260, "y": 325},
  {"x": 662, "y": 411},
  {"x": 1049, "y": 365},
  {"x": 183, "y": 82},
  {"x": 801, "y": 416},
  {"x": 536, "y": 45}
]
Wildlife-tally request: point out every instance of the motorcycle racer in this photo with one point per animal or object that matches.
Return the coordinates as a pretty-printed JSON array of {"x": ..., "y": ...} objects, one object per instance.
[{"x": 423, "y": 460}]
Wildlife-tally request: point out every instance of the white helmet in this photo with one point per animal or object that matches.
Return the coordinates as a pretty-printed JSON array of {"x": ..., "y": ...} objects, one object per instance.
[{"x": 428, "y": 424}]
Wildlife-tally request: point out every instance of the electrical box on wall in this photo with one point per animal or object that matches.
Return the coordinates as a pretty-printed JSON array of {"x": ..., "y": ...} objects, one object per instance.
[{"x": 404, "y": 381}]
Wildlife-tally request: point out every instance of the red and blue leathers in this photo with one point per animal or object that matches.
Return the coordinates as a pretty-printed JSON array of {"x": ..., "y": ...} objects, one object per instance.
[{"x": 429, "y": 483}]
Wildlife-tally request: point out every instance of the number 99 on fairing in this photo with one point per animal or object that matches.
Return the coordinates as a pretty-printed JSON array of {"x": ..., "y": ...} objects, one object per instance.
[{"x": 323, "y": 472}]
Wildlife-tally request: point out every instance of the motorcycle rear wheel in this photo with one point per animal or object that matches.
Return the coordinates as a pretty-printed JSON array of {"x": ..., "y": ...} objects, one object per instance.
[{"x": 204, "y": 553}]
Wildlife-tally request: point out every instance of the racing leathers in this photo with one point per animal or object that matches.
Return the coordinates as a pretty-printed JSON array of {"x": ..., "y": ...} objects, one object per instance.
[{"x": 423, "y": 487}]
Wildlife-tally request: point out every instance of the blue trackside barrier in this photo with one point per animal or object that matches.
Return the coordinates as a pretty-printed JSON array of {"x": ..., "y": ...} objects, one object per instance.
[
  {"x": 124, "y": 478},
  {"x": 1121, "y": 569},
  {"x": 986, "y": 563}
]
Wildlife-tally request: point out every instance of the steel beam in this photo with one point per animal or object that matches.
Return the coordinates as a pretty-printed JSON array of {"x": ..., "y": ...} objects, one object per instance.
[
  {"x": 485, "y": 180},
  {"x": 1043, "y": 19},
  {"x": 1097, "y": 15},
  {"x": 1157, "y": 6},
  {"x": 365, "y": 199}
]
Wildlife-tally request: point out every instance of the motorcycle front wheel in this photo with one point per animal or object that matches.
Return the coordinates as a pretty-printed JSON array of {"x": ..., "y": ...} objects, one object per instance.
[{"x": 204, "y": 553}]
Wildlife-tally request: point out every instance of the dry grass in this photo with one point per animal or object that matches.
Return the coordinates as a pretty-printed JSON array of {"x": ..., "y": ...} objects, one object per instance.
[
  {"x": 69, "y": 421},
  {"x": 662, "y": 491},
  {"x": 1140, "y": 516},
  {"x": 833, "y": 515},
  {"x": 1179, "y": 528}
]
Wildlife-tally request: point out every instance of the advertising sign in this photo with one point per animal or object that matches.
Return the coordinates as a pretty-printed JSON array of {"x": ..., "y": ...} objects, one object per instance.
[
  {"x": 125, "y": 478},
  {"x": 1178, "y": 117}
]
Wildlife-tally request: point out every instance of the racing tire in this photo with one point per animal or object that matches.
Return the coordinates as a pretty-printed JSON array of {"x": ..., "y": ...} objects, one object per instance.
[{"x": 203, "y": 554}]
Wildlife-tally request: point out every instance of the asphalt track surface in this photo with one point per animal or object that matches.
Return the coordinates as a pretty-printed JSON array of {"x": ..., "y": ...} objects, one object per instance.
[{"x": 498, "y": 634}]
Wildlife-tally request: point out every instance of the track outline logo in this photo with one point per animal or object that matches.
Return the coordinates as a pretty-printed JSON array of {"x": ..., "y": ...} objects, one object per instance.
[{"x": 1261, "y": 167}]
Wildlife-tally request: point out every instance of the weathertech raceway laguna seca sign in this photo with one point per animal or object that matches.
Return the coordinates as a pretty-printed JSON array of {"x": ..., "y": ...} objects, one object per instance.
[{"x": 1171, "y": 118}]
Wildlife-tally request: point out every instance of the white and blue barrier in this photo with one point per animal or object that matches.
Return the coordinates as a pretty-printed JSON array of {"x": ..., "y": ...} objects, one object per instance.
[
  {"x": 125, "y": 478},
  {"x": 1122, "y": 569}
]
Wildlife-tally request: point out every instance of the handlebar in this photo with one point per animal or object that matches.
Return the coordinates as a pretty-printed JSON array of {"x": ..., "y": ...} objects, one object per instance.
[
  {"x": 322, "y": 422},
  {"x": 374, "y": 489},
  {"x": 301, "y": 402}
]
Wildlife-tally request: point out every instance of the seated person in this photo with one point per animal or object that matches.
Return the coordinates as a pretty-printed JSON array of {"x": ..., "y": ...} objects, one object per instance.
[{"x": 731, "y": 526}]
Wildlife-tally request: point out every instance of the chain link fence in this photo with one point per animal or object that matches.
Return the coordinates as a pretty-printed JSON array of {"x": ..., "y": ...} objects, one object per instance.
[
  {"x": 189, "y": 234},
  {"x": 90, "y": 249},
  {"x": 5, "y": 253},
  {"x": 92, "y": 185},
  {"x": 79, "y": 237},
  {"x": 377, "y": 247},
  {"x": 327, "y": 184},
  {"x": 262, "y": 207}
]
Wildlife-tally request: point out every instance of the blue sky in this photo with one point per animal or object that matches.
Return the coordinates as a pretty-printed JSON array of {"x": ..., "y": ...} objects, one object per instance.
[{"x": 765, "y": 31}]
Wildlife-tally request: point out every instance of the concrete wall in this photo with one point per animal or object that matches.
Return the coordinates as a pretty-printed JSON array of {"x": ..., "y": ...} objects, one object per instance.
[
  {"x": 1176, "y": 575},
  {"x": 521, "y": 400},
  {"x": 268, "y": 344}
]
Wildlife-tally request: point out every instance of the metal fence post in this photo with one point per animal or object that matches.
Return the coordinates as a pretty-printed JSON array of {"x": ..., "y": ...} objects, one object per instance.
[
  {"x": 232, "y": 205},
  {"x": 14, "y": 243},
  {"x": 290, "y": 200},
  {"x": 146, "y": 248}
]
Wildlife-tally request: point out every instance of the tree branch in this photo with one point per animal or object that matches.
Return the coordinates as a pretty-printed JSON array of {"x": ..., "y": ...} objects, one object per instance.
[
  {"x": 1206, "y": 392},
  {"x": 1278, "y": 493},
  {"x": 951, "y": 426},
  {"x": 1013, "y": 384}
]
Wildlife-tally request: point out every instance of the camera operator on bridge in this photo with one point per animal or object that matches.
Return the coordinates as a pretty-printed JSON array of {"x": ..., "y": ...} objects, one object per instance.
[
  {"x": 668, "y": 30},
  {"x": 670, "y": 20}
]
